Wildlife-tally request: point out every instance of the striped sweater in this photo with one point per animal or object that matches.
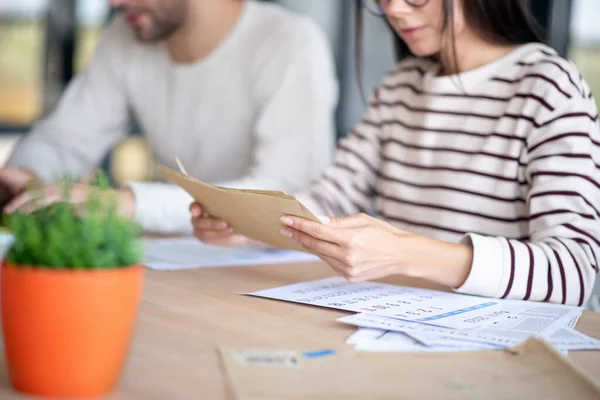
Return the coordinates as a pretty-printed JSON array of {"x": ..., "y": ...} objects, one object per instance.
[{"x": 505, "y": 158}]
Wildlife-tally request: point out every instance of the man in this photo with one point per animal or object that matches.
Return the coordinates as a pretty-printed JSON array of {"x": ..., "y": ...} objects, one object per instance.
[{"x": 243, "y": 92}]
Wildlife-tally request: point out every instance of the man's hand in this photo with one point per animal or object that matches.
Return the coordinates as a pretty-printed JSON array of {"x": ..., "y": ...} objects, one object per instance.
[
  {"x": 78, "y": 195},
  {"x": 17, "y": 179},
  {"x": 217, "y": 232}
]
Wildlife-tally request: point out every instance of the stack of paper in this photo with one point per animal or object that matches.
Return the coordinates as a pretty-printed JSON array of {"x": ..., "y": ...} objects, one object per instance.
[{"x": 398, "y": 318}]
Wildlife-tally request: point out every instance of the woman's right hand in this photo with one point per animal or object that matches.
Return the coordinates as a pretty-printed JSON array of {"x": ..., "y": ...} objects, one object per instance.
[{"x": 214, "y": 231}]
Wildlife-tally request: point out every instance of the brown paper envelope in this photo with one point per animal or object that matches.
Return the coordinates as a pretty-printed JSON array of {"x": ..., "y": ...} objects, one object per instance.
[
  {"x": 275, "y": 193},
  {"x": 532, "y": 371},
  {"x": 255, "y": 214},
  {"x": 268, "y": 192}
]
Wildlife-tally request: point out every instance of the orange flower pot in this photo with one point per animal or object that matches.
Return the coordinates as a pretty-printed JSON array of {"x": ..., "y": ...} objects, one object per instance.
[{"x": 67, "y": 332}]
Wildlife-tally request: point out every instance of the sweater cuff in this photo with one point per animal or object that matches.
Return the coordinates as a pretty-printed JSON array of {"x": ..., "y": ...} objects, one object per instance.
[
  {"x": 488, "y": 267},
  {"x": 158, "y": 210}
]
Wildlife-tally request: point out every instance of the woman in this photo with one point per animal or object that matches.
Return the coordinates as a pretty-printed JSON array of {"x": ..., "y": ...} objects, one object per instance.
[{"x": 479, "y": 155}]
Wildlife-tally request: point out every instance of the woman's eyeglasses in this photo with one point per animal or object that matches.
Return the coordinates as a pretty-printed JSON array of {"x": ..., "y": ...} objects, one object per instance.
[{"x": 377, "y": 7}]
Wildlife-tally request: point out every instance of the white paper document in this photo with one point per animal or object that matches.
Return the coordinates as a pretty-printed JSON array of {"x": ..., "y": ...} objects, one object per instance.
[
  {"x": 563, "y": 339},
  {"x": 431, "y": 307},
  {"x": 525, "y": 316},
  {"x": 398, "y": 318},
  {"x": 372, "y": 297},
  {"x": 189, "y": 253},
  {"x": 377, "y": 340},
  {"x": 570, "y": 339},
  {"x": 517, "y": 324},
  {"x": 573, "y": 322},
  {"x": 381, "y": 340},
  {"x": 365, "y": 334}
]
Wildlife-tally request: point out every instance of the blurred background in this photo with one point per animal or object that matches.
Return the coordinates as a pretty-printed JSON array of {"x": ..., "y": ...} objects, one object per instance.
[{"x": 43, "y": 43}]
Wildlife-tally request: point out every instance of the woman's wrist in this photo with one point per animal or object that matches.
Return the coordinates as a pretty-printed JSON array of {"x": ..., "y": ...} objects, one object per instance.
[{"x": 442, "y": 262}]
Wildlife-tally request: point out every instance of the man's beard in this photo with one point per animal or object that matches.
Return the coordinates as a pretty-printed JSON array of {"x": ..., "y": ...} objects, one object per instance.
[
  {"x": 166, "y": 19},
  {"x": 160, "y": 30}
]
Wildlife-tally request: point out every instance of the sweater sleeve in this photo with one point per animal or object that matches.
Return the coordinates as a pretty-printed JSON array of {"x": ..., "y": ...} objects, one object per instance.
[
  {"x": 559, "y": 261},
  {"x": 162, "y": 207},
  {"x": 348, "y": 186},
  {"x": 88, "y": 121}
]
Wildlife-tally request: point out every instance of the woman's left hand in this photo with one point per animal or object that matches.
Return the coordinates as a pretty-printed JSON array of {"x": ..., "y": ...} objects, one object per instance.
[
  {"x": 362, "y": 248},
  {"x": 358, "y": 247}
]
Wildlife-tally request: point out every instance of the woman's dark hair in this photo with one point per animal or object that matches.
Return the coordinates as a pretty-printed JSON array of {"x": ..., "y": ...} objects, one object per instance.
[{"x": 499, "y": 21}]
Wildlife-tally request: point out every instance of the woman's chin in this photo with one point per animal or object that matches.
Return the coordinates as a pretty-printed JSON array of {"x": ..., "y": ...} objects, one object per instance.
[
  {"x": 417, "y": 52},
  {"x": 422, "y": 51}
]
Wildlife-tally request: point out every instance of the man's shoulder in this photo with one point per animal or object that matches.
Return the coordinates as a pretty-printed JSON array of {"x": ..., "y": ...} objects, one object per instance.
[
  {"x": 274, "y": 14},
  {"x": 281, "y": 24},
  {"x": 278, "y": 40}
]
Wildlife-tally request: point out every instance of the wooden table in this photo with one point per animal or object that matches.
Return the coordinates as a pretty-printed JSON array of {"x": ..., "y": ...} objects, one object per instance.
[{"x": 185, "y": 315}]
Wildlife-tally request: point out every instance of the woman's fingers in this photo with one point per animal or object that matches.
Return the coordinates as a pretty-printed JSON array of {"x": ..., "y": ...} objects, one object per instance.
[
  {"x": 314, "y": 245},
  {"x": 323, "y": 232},
  {"x": 337, "y": 265}
]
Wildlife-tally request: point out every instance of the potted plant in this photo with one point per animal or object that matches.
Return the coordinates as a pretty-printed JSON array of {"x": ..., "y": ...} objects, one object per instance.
[{"x": 70, "y": 289}]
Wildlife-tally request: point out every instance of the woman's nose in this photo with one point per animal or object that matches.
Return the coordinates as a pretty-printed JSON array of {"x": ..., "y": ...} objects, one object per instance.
[{"x": 396, "y": 7}]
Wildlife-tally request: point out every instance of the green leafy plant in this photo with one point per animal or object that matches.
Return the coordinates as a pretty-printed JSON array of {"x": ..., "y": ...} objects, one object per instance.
[{"x": 65, "y": 236}]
